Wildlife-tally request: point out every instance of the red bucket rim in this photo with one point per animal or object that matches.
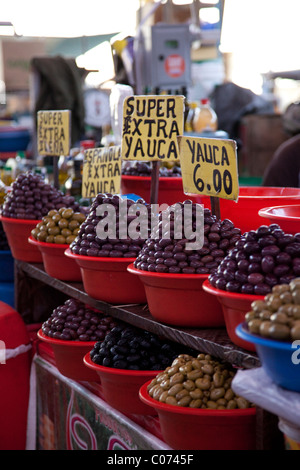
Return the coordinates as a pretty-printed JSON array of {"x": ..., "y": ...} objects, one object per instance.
[
  {"x": 113, "y": 371},
  {"x": 140, "y": 272},
  {"x": 267, "y": 212},
  {"x": 232, "y": 295},
  {"x": 61, "y": 342},
  {"x": 97, "y": 259},
  {"x": 20, "y": 221},
  {"x": 183, "y": 410}
]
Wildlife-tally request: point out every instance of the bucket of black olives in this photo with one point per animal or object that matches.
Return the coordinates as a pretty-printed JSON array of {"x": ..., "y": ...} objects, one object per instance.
[
  {"x": 52, "y": 236},
  {"x": 173, "y": 273},
  {"x": 126, "y": 359},
  {"x": 260, "y": 260},
  {"x": 197, "y": 407},
  {"x": 272, "y": 325},
  {"x": 29, "y": 200},
  {"x": 71, "y": 331}
]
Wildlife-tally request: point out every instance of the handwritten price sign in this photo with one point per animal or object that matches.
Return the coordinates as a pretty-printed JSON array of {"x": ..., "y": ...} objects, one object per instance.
[{"x": 209, "y": 167}]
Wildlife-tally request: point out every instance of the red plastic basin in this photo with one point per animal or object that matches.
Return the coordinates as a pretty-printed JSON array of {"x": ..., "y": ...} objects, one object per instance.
[
  {"x": 203, "y": 429},
  {"x": 287, "y": 216},
  {"x": 235, "y": 306},
  {"x": 107, "y": 279},
  {"x": 170, "y": 189},
  {"x": 120, "y": 387},
  {"x": 17, "y": 232},
  {"x": 55, "y": 261},
  {"x": 69, "y": 357},
  {"x": 178, "y": 299},
  {"x": 244, "y": 213}
]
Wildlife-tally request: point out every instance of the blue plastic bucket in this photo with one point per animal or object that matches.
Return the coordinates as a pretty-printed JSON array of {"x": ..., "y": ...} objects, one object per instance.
[{"x": 279, "y": 359}]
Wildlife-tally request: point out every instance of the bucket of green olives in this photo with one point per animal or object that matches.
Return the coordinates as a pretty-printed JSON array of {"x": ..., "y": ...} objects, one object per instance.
[
  {"x": 197, "y": 408},
  {"x": 53, "y": 235},
  {"x": 273, "y": 326}
]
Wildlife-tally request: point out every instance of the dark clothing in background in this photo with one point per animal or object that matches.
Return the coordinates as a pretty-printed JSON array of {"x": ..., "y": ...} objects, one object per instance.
[
  {"x": 284, "y": 168},
  {"x": 60, "y": 88},
  {"x": 231, "y": 102}
]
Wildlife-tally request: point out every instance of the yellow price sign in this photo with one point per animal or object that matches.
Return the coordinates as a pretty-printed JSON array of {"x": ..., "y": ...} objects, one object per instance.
[
  {"x": 101, "y": 171},
  {"x": 53, "y": 132},
  {"x": 151, "y": 125},
  {"x": 209, "y": 167}
]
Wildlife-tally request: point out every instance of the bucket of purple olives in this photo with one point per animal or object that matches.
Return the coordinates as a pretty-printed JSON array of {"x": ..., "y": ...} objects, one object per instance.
[
  {"x": 29, "y": 200},
  {"x": 103, "y": 259},
  {"x": 126, "y": 359},
  {"x": 260, "y": 260},
  {"x": 72, "y": 330},
  {"x": 273, "y": 327},
  {"x": 173, "y": 273},
  {"x": 53, "y": 236}
]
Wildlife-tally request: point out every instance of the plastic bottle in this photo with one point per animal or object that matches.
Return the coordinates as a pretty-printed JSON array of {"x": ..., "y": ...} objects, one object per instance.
[
  {"x": 188, "y": 125},
  {"x": 205, "y": 118},
  {"x": 73, "y": 184}
]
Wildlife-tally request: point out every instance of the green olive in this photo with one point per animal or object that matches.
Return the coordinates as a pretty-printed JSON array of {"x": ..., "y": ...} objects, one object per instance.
[
  {"x": 63, "y": 223},
  {"x": 73, "y": 224},
  {"x": 56, "y": 218},
  {"x": 34, "y": 233},
  {"x": 79, "y": 216},
  {"x": 53, "y": 230},
  {"x": 52, "y": 213},
  {"x": 41, "y": 236},
  {"x": 50, "y": 239},
  {"x": 66, "y": 232},
  {"x": 70, "y": 239},
  {"x": 67, "y": 213},
  {"x": 59, "y": 239}
]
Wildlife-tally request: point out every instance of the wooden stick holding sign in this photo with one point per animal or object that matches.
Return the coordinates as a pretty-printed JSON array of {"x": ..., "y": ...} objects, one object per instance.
[
  {"x": 209, "y": 167},
  {"x": 101, "y": 171},
  {"x": 151, "y": 125},
  {"x": 53, "y": 136}
]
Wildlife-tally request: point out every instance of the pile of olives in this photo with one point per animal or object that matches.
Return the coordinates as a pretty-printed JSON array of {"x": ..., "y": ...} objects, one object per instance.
[
  {"x": 128, "y": 347},
  {"x": 261, "y": 259},
  {"x": 197, "y": 382},
  {"x": 170, "y": 254},
  {"x": 87, "y": 242},
  {"x": 74, "y": 321},
  {"x": 144, "y": 169},
  {"x": 59, "y": 226},
  {"x": 278, "y": 315},
  {"x": 31, "y": 198}
]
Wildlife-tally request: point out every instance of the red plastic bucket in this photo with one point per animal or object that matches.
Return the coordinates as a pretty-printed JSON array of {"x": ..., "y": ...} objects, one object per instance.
[
  {"x": 203, "y": 429},
  {"x": 14, "y": 380},
  {"x": 235, "y": 306},
  {"x": 244, "y": 213},
  {"x": 56, "y": 263},
  {"x": 107, "y": 279},
  {"x": 17, "y": 232},
  {"x": 288, "y": 217},
  {"x": 120, "y": 387},
  {"x": 170, "y": 189},
  {"x": 178, "y": 299},
  {"x": 69, "y": 357}
]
